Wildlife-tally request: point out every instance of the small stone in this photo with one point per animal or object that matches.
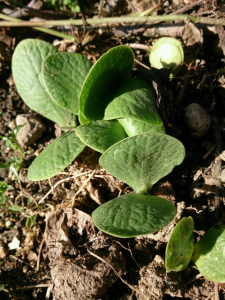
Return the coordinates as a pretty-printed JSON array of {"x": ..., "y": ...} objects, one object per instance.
[
  {"x": 25, "y": 268},
  {"x": 2, "y": 223},
  {"x": 9, "y": 224},
  {"x": 30, "y": 132},
  {"x": 197, "y": 119},
  {"x": 12, "y": 124},
  {"x": 3, "y": 252}
]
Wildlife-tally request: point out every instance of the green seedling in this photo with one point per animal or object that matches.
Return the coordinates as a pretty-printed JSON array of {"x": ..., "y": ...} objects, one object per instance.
[
  {"x": 14, "y": 164},
  {"x": 118, "y": 117},
  {"x": 3, "y": 188},
  {"x": 208, "y": 253},
  {"x": 31, "y": 221},
  {"x": 167, "y": 53},
  {"x": 66, "y": 4},
  {"x": 5, "y": 206}
]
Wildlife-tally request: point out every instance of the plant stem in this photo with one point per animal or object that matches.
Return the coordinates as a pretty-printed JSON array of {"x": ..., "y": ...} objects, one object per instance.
[
  {"x": 146, "y": 19},
  {"x": 17, "y": 22},
  {"x": 21, "y": 156}
]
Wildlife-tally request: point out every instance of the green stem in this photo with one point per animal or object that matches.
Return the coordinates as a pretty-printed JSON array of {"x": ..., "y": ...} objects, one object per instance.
[
  {"x": 21, "y": 156},
  {"x": 146, "y": 19},
  {"x": 17, "y": 22}
]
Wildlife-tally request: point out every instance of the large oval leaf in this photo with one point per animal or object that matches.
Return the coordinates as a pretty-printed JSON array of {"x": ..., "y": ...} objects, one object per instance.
[
  {"x": 111, "y": 70},
  {"x": 56, "y": 157},
  {"x": 64, "y": 75},
  {"x": 133, "y": 214},
  {"x": 142, "y": 160},
  {"x": 26, "y": 68},
  {"x": 100, "y": 135},
  {"x": 209, "y": 254},
  {"x": 180, "y": 246}
]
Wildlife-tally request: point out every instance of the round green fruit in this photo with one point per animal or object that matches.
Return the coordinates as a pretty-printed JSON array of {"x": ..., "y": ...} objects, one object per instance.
[{"x": 167, "y": 53}]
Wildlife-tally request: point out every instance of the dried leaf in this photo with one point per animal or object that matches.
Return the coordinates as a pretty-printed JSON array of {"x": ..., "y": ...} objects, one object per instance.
[
  {"x": 192, "y": 35},
  {"x": 221, "y": 32}
]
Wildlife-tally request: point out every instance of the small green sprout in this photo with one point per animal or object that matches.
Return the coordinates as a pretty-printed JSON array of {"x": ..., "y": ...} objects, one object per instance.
[
  {"x": 3, "y": 188},
  {"x": 167, "y": 53},
  {"x": 118, "y": 118},
  {"x": 14, "y": 164},
  {"x": 207, "y": 254}
]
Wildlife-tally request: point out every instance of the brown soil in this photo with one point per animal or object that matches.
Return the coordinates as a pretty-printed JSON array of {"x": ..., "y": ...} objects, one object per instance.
[{"x": 63, "y": 254}]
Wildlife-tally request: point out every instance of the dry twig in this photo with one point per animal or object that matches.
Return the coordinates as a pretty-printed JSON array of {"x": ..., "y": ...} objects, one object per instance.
[
  {"x": 117, "y": 274},
  {"x": 61, "y": 181}
]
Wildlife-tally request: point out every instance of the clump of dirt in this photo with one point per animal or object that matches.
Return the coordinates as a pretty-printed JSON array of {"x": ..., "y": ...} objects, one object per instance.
[{"x": 76, "y": 274}]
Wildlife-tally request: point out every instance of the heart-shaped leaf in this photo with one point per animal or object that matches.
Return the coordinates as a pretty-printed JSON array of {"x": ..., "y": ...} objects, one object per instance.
[
  {"x": 133, "y": 214},
  {"x": 142, "y": 160},
  {"x": 209, "y": 254},
  {"x": 26, "y": 68},
  {"x": 111, "y": 70},
  {"x": 64, "y": 74},
  {"x": 180, "y": 246},
  {"x": 100, "y": 135},
  {"x": 56, "y": 157}
]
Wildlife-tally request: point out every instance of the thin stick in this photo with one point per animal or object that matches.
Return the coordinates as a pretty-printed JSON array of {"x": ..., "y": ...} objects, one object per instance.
[
  {"x": 46, "y": 30},
  {"x": 210, "y": 150},
  {"x": 187, "y": 7},
  {"x": 138, "y": 46},
  {"x": 35, "y": 286},
  {"x": 106, "y": 21},
  {"x": 108, "y": 264},
  {"x": 80, "y": 189},
  {"x": 59, "y": 182},
  {"x": 128, "y": 249},
  {"x": 216, "y": 289},
  {"x": 29, "y": 195},
  {"x": 48, "y": 292},
  {"x": 100, "y": 8},
  {"x": 39, "y": 253}
]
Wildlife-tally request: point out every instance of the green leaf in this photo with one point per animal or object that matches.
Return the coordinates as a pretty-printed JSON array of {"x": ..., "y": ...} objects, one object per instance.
[
  {"x": 14, "y": 132},
  {"x": 2, "y": 287},
  {"x": 180, "y": 246},
  {"x": 56, "y": 157},
  {"x": 135, "y": 99},
  {"x": 64, "y": 74},
  {"x": 133, "y": 214},
  {"x": 30, "y": 221},
  {"x": 100, "y": 135},
  {"x": 134, "y": 127},
  {"x": 2, "y": 200},
  {"x": 26, "y": 68},
  {"x": 3, "y": 166},
  {"x": 82, "y": 119},
  {"x": 142, "y": 160},
  {"x": 209, "y": 254},
  {"x": 3, "y": 187},
  {"x": 111, "y": 70},
  {"x": 16, "y": 208}
]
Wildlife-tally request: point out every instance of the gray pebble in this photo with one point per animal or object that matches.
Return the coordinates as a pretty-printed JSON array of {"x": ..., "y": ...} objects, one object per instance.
[
  {"x": 197, "y": 119},
  {"x": 30, "y": 132}
]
